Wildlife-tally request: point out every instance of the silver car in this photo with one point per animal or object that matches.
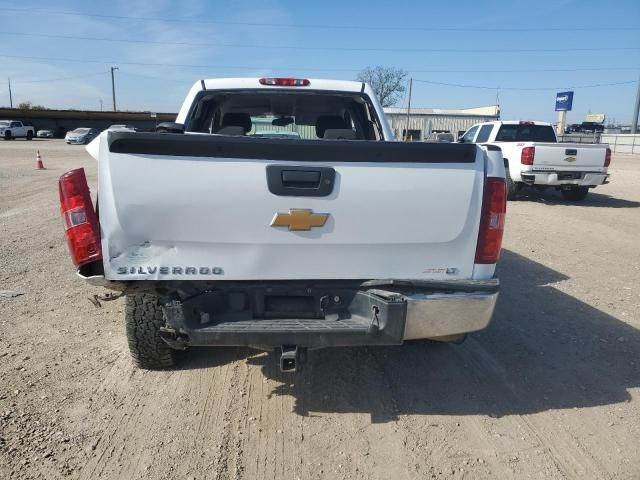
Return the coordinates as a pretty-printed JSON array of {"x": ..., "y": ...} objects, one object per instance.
[{"x": 81, "y": 136}]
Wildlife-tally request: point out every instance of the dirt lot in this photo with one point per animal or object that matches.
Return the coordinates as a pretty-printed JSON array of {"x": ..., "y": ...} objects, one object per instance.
[{"x": 550, "y": 390}]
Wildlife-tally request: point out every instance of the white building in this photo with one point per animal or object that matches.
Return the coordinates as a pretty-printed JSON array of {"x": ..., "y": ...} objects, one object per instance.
[{"x": 423, "y": 122}]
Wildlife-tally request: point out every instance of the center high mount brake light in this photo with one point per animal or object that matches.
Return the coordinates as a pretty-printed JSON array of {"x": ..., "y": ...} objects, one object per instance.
[{"x": 285, "y": 82}]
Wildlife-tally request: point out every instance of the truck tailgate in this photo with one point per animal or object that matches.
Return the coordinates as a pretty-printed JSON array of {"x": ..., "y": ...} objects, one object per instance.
[
  {"x": 569, "y": 155},
  {"x": 201, "y": 207}
]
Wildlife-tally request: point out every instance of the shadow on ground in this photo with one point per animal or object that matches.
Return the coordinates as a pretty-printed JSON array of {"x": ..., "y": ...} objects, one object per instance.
[
  {"x": 553, "y": 197},
  {"x": 544, "y": 350}
]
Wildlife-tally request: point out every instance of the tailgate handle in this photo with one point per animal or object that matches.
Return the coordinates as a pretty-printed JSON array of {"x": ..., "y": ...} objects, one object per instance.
[
  {"x": 300, "y": 178},
  {"x": 299, "y": 181},
  {"x": 571, "y": 151}
]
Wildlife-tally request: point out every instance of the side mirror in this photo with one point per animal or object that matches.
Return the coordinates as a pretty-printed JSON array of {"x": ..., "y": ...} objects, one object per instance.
[{"x": 170, "y": 127}]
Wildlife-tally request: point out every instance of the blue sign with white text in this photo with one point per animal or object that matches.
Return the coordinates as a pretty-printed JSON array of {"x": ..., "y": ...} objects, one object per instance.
[{"x": 564, "y": 101}]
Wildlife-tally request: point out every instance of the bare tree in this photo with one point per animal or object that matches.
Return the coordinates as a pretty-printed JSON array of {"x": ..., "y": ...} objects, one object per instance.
[
  {"x": 30, "y": 106},
  {"x": 387, "y": 82}
]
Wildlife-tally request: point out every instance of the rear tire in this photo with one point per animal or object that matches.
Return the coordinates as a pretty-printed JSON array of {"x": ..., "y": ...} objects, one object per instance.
[
  {"x": 512, "y": 187},
  {"x": 144, "y": 318},
  {"x": 29, "y": 135},
  {"x": 575, "y": 194}
]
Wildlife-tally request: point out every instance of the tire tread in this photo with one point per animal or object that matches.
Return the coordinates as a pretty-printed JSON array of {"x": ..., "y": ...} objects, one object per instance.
[{"x": 144, "y": 318}]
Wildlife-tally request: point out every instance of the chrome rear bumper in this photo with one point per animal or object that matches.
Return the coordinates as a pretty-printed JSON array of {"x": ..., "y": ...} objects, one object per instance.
[
  {"x": 556, "y": 179},
  {"x": 443, "y": 314}
]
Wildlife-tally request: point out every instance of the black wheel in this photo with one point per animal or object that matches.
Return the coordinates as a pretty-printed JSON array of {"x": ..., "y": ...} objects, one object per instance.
[
  {"x": 29, "y": 135},
  {"x": 575, "y": 194},
  {"x": 7, "y": 135},
  {"x": 512, "y": 187},
  {"x": 144, "y": 318}
]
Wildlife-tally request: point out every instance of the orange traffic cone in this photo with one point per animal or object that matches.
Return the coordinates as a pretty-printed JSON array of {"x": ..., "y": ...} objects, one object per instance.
[{"x": 39, "y": 164}]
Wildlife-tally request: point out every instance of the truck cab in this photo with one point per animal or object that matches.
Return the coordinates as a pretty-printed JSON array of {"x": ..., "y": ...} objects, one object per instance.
[{"x": 534, "y": 158}]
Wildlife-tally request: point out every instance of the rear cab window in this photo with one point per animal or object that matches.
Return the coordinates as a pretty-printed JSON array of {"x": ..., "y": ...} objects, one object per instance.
[
  {"x": 526, "y": 133},
  {"x": 293, "y": 115},
  {"x": 484, "y": 133}
]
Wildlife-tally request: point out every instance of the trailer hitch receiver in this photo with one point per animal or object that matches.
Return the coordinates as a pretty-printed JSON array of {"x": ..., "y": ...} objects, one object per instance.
[{"x": 290, "y": 358}]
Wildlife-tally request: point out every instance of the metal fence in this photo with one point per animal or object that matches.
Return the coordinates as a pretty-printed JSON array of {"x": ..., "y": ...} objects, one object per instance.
[
  {"x": 622, "y": 142},
  {"x": 580, "y": 138}
]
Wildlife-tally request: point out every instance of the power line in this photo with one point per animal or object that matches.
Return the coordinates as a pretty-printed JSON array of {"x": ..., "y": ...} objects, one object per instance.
[
  {"x": 484, "y": 87},
  {"x": 322, "y": 48},
  {"x": 528, "y": 70},
  {"x": 310, "y": 69},
  {"x": 166, "y": 79},
  {"x": 61, "y": 79},
  {"x": 324, "y": 26}
]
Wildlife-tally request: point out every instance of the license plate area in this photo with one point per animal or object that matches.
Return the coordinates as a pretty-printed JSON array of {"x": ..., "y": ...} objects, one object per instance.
[
  {"x": 570, "y": 175},
  {"x": 290, "y": 306}
]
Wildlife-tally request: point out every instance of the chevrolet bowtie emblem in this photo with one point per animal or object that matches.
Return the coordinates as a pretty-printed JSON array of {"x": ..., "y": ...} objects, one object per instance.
[{"x": 299, "y": 220}]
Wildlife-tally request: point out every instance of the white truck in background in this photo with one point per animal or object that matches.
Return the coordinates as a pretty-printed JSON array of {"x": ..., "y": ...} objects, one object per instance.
[
  {"x": 533, "y": 157},
  {"x": 12, "y": 129},
  {"x": 278, "y": 213}
]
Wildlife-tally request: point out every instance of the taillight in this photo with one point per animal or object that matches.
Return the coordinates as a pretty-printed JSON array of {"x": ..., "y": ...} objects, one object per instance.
[
  {"x": 607, "y": 158},
  {"x": 285, "y": 82},
  {"x": 494, "y": 209},
  {"x": 79, "y": 218},
  {"x": 526, "y": 157}
]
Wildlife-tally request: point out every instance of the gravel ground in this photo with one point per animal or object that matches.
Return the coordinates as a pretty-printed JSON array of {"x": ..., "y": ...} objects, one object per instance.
[{"x": 550, "y": 390}]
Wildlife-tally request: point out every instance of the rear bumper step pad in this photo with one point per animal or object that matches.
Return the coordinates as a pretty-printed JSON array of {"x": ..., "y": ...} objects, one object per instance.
[{"x": 374, "y": 317}]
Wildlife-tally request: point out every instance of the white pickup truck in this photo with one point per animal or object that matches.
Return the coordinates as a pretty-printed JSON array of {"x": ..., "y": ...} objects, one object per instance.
[
  {"x": 330, "y": 234},
  {"x": 533, "y": 156},
  {"x": 12, "y": 129}
]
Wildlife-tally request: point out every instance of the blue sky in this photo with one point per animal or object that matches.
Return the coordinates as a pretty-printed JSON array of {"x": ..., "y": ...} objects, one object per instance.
[{"x": 237, "y": 38}]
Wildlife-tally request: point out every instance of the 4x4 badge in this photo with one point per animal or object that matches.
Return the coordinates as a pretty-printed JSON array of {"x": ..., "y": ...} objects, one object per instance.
[{"x": 299, "y": 220}]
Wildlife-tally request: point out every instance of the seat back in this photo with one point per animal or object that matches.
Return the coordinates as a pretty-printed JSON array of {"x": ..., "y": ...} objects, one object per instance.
[
  {"x": 236, "y": 119},
  {"x": 325, "y": 122},
  {"x": 340, "y": 134}
]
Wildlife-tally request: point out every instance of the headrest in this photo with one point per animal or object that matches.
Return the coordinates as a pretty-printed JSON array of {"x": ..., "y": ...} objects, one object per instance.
[
  {"x": 237, "y": 119},
  {"x": 328, "y": 121}
]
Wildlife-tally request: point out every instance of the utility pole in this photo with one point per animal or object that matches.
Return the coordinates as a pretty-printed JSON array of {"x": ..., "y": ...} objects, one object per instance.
[
  {"x": 113, "y": 87},
  {"x": 634, "y": 120},
  {"x": 11, "y": 97},
  {"x": 406, "y": 132},
  {"x": 100, "y": 104}
]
